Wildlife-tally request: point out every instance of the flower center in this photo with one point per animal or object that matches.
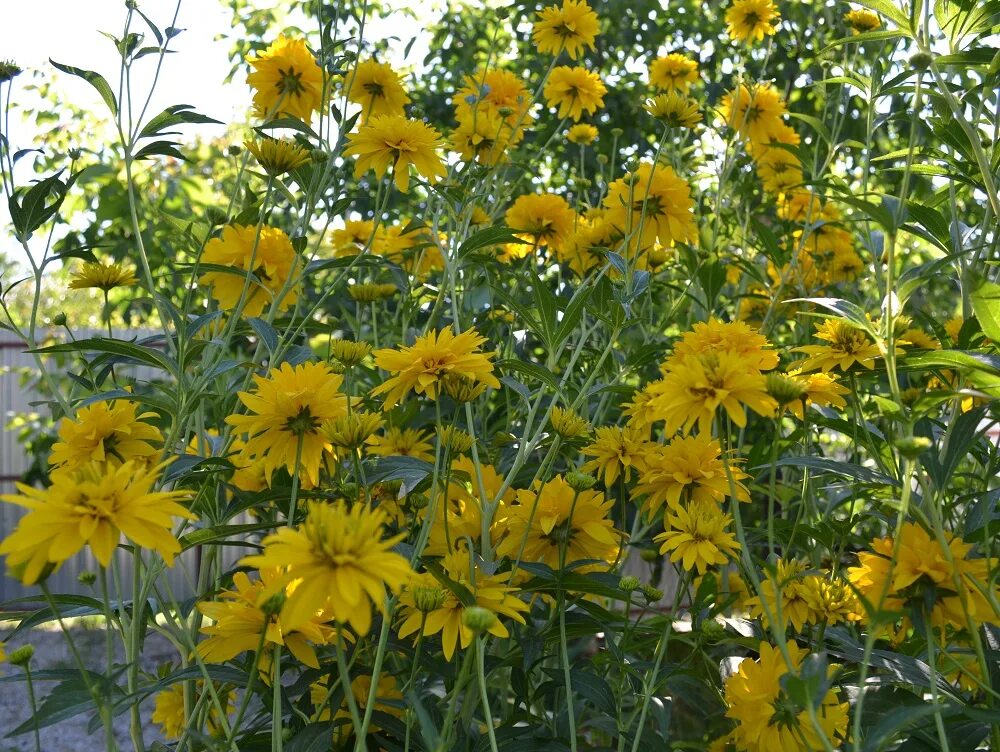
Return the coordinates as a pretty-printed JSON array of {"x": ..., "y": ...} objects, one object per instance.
[{"x": 290, "y": 82}]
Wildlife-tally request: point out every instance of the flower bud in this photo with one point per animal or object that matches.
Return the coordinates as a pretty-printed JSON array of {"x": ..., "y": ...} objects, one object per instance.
[
  {"x": 59, "y": 319},
  {"x": 478, "y": 619},
  {"x": 617, "y": 132},
  {"x": 215, "y": 215},
  {"x": 428, "y": 598},
  {"x": 461, "y": 388},
  {"x": 784, "y": 389},
  {"x": 651, "y": 594},
  {"x": 580, "y": 481},
  {"x": 273, "y": 605},
  {"x": 912, "y": 447},
  {"x": 649, "y": 554},
  {"x": 86, "y": 578},
  {"x": 22, "y": 656},
  {"x": 567, "y": 423},
  {"x": 8, "y": 70},
  {"x": 629, "y": 583},
  {"x": 921, "y": 61}
]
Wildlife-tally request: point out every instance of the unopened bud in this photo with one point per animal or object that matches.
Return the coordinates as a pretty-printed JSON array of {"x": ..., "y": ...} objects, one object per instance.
[
  {"x": 22, "y": 656},
  {"x": 86, "y": 578},
  {"x": 273, "y": 605},
  {"x": 580, "y": 481},
  {"x": 921, "y": 61},
  {"x": 784, "y": 389},
  {"x": 478, "y": 619},
  {"x": 629, "y": 583},
  {"x": 651, "y": 594},
  {"x": 428, "y": 598},
  {"x": 649, "y": 554},
  {"x": 59, "y": 319},
  {"x": 913, "y": 446}
]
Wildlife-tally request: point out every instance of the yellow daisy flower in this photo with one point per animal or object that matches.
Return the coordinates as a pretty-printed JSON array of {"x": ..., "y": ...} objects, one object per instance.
[
  {"x": 571, "y": 27},
  {"x": 499, "y": 94},
  {"x": 574, "y": 90},
  {"x": 108, "y": 432},
  {"x": 268, "y": 255},
  {"x": 337, "y": 561},
  {"x": 673, "y": 72},
  {"x": 617, "y": 451},
  {"x": 674, "y": 109},
  {"x": 377, "y": 88},
  {"x": 277, "y": 156},
  {"x": 755, "y": 113},
  {"x": 558, "y": 526},
  {"x": 394, "y": 141},
  {"x": 767, "y": 719},
  {"x": 582, "y": 133},
  {"x": 170, "y": 713},
  {"x": 687, "y": 468},
  {"x": 287, "y": 410},
  {"x": 286, "y": 80},
  {"x": 94, "y": 505},
  {"x": 102, "y": 276},
  {"x": 697, "y": 537},
  {"x": 545, "y": 219},
  {"x": 402, "y": 442},
  {"x": 848, "y": 345},
  {"x": 652, "y": 205},
  {"x": 751, "y": 20},
  {"x": 488, "y": 591},
  {"x": 420, "y": 367},
  {"x": 862, "y": 20}
]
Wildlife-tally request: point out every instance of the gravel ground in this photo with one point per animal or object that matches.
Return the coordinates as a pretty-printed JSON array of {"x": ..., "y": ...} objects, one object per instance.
[{"x": 52, "y": 652}]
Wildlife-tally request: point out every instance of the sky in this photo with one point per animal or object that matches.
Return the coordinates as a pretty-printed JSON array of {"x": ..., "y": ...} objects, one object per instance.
[{"x": 69, "y": 32}]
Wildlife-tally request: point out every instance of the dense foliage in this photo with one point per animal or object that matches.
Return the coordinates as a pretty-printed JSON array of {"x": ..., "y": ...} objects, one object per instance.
[{"x": 613, "y": 376}]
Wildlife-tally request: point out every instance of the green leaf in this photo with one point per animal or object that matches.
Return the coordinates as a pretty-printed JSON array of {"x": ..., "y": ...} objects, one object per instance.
[
  {"x": 850, "y": 311},
  {"x": 221, "y": 533},
  {"x": 532, "y": 370},
  {"x": 178, "y": 114},
  {"x": 94, "y": 79},
  {"x": 487, "y": 238},
  {"x": 836, "y": 467},
  {"x": 67, "y": 699},
  {"x": 889, "y": 725},
  {"x": 986, "y": 304},
  {"x": 409, "y": 470},
  {"x": 595, "y": 690},
  {"x": 127, "y": 350},
  {"x": 160, "y": 148},
  {"x": 888, "y": 9},
  {"x": 313, "y": 738},
  {"x": 266, "y": 332},
  {"x": 37, "y": 205}
]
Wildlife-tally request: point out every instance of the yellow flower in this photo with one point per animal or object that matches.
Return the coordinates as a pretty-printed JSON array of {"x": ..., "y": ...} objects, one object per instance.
[
  {"x": 848, "y": 346},
  {"x": 496, "y": 94},
  {"x": 820, "y": 389},
  {"x": 953, "y": 327},
  {"x": 352, "y": 430},
  {"x": 922, "y": 562},
  {"x": 108, "y": 432},
  {"x": 269, "y": 256},
  {"x": 277, "y": 156},
  {"x": 487, "y": 591},
  {"x": 755, "y": 113},
  {"x": 93, "y": 505},
  {"x": 171, "y": 715},
  {"x": 371, "y": 292},
  {"x": 388, "y": 699},
  {"x": 567, "y": 423},
  {"x": 674, "y": 109},
  {"x": 767, "y": 719},
  {"x": 377, "y": 88},
  {"x": 356, "y": 236},
  {"x": 674, "y": 72},
  {"x": 558, "y": 526},
  {"x": 689, "y": 468},
  {"x": 617, "y": 451},
  {"x": 402, "y": 442},
  {"x": 349, "y": 353},
  {"x": 574, "y": 90},
  {"x": 338, "y": 562},
  {"x": 692, "y": 392},
  {"x": 652, "y": 204},
  {"x": 481, "y": 137},
  {"x": 734, "y": 337},
  {"x": 862, "y": 20},
  {"x": 570, "y": 27},
  {"x": 785, "y": 587},
  {"x": 697, "y": 536},
  {"x": 287, "y": 408},
  {"x": 582, "y": 133},
  {"x": 420, "y": 367},
  {"x": 779, "y": 170},
  {"x": 394, "y": 141},
  {"x": 751, "y": 20},
  {"x": 102, "y": 276},
  {"x": 240, "y": 616},
  {"x": 830, "y": 599},
  {"x": 919, "y": 339},
  {"x": 286, "y": 80},
  {"x": 544, "y": 219}
]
